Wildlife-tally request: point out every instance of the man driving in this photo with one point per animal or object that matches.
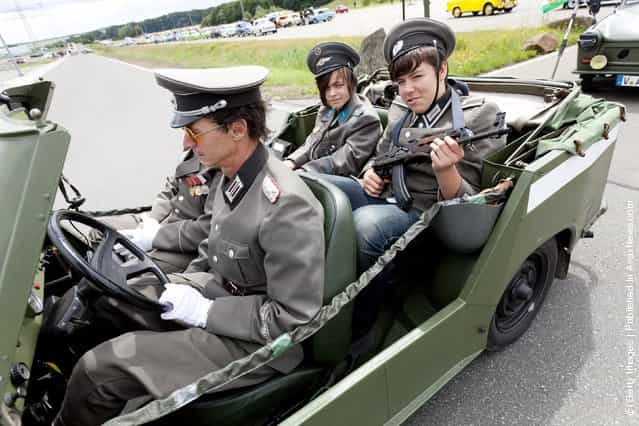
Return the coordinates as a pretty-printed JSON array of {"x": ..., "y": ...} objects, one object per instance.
[{"x": 258, "y": 275}]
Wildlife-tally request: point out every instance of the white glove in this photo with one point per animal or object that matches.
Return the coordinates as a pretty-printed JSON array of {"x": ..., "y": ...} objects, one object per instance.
[
  {"x": 189, "y": 307},
  {"x": 143, "y": 235}
]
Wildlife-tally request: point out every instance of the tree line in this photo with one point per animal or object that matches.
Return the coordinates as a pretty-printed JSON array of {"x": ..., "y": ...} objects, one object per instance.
[{"x": 222, "y": 14}]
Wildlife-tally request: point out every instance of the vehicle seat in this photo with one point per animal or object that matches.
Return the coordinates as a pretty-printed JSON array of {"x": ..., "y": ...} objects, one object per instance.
[
  {"x": 383, "y": 116},
  {"x": 258, "y": 404}
]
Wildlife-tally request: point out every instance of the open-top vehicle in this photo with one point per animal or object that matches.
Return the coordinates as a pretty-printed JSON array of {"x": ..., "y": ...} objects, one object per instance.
[{"x": 482, "y": 291}]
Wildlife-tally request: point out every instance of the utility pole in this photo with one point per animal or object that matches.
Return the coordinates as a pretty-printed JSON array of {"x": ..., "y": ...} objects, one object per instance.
[
  {"x": 427, "y": 8},
  {"x": 242, "y": 10},
  {"x": 11, "y": 57},
  {"x": 26, "y": 25}
]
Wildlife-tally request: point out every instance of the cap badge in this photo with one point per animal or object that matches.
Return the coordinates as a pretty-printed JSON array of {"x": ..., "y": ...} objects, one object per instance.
[
  {"x": 397, "y": 47},
  {"x": 270, "y": 189},
  {"x": 317, "y": 51},
  {"x": 323, "y": 60}
]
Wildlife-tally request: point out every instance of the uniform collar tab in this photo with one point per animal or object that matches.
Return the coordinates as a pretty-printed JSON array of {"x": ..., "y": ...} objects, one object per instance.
[{"x": 234, "y": 189}]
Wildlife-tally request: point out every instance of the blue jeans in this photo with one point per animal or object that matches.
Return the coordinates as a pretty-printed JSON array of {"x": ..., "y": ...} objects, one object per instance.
[{"x": 378, "y": 224}]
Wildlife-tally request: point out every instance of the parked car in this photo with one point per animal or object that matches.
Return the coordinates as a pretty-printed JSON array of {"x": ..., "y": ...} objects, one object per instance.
[
  {"x": 570, "y": 4},
  {"x": 487, "y": 7},
  {"x": 289, "y": 19},
  {"x": 321, "y": 15},
  {"x": 341, "y": 9},
  {"x": 264, "y": 26},
  {"x": 608, "y": 51},
  {"x": 244, "y": 29},
  {"x": 438, "y": 320},
  {"x": 216, "y": 32},
  {"x": 229, "y": 30}
]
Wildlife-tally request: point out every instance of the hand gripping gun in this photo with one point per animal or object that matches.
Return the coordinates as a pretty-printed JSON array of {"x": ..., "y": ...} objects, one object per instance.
[{"x": 417, "y": 149}]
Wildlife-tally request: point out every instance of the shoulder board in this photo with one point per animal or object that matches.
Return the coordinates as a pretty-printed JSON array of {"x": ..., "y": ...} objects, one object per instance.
[
  {"x": 271, "y": 189},
  {"x": 187, "y": 167},
  {"x": 472, "y": 102}
]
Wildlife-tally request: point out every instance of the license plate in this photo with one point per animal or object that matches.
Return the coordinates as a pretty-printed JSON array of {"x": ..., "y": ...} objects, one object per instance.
[{"x": 628, "y": 80}]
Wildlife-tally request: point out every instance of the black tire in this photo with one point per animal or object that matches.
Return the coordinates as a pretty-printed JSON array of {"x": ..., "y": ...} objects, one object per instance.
[
  {"x": 523, "y": 297},
  {"x": 457, "y": 13},
  {"x": 586, "y": 83},
  {"x": 508, "y": 9},
  {"x": 475, "y": 13},
  {"x": 488, "y": 9}
]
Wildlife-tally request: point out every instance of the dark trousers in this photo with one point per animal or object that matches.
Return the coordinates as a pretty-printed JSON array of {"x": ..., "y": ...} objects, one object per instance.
[
  {"x": 151, "y": 362},
  {"x": 378, "y": 224}
]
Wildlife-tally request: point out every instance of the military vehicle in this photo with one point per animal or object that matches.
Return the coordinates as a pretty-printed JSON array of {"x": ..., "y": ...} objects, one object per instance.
[
  {"x": 481, "y": 294},
  {"x": 609, "y": 49}
]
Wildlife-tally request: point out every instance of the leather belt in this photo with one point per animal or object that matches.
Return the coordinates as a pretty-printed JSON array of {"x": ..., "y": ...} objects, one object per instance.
[{"x": 233, "y": 288}]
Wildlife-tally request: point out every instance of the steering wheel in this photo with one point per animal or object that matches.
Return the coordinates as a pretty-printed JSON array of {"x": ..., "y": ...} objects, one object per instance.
[{"x": 105, "y": 272}]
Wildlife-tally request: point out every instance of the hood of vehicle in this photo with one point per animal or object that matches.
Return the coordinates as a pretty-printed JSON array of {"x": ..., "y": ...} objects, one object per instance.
[{"x": 621, "y": 25}]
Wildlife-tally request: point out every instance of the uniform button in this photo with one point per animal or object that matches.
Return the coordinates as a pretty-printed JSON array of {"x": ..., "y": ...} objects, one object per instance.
[
  {"x": 217, "y": 226},
  {"x": 407, "y": 135},
  {"x": 177, "y": 210},
  {"x": 214, "y": 259},
  {"x": 231, "y": 253},
  {"x": 181, "y": 197}
]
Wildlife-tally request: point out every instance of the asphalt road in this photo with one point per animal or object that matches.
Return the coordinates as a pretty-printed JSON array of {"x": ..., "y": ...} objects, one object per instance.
[{"x": 570, "y": 368}]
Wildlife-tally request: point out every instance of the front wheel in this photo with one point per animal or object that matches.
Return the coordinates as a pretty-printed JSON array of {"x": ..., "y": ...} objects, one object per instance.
[
  {"x": 488, "y": 9},
  {"x": 457, "y": 12},
  {"x": 523, "y": 297},
  {"x": 508, "y": 9}
]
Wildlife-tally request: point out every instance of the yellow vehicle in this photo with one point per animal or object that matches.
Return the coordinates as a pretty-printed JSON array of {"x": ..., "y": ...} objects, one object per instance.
[{"x": 487, "y": 7}]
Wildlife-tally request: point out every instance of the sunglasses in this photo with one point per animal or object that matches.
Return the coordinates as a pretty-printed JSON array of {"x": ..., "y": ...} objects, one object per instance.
[{"x": 196, "y": 136}]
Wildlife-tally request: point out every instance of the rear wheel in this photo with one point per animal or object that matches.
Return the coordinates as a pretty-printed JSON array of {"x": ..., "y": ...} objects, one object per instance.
[
  {"x": 488, "y": 9},
  {"x": 523, "y": 297},
  {"x": 457, "y": 12}
]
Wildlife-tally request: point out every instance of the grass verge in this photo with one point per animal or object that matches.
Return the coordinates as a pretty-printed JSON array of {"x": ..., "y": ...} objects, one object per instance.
[{"x": 476, "y": 53}]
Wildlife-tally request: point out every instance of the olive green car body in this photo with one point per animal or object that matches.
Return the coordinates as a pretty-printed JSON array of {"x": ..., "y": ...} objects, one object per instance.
[
  {"x": 616, "y": 37},
  {"x": 556, "y": 196}
]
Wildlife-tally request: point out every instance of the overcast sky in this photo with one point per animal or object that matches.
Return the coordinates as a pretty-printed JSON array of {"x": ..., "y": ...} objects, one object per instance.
[{"x": 52, "y": 18}]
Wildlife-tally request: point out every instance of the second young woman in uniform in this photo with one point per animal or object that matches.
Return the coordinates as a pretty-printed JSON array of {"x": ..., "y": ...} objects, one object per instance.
[{"x": 347, "y": 127}]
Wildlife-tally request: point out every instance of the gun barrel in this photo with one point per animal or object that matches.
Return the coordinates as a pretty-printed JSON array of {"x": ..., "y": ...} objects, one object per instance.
[{"x": 479, "y": 136}]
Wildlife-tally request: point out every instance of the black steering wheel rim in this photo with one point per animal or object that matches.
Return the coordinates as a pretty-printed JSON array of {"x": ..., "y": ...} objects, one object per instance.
[{"x": 103, "y": 256}]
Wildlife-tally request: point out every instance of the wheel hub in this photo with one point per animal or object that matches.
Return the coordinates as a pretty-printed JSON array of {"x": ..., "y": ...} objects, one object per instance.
[{"x": 519, "y": 296}]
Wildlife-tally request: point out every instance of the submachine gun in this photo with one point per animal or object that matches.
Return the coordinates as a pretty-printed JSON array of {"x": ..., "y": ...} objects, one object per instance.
[{"x": 391, "y": 164}]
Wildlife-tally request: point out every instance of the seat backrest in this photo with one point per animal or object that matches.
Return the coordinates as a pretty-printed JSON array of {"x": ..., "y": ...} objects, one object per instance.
[
  {"x": 331, "y": 344},
  {"x": 383, "y": 116}
]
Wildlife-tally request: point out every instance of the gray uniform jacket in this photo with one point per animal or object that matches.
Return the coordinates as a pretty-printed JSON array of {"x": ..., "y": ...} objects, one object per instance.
[
  {"x": 340, "y": 147},
  {"x": 181, "y": 208},
  {"x": 479, "y": 116},
  {"x": 263, "y": 263}
]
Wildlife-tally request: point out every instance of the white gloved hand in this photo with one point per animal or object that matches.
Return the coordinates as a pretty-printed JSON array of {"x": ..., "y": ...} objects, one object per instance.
[
  {"x": 189, "y": 307},
  {"x": 143, "y": 235}
]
